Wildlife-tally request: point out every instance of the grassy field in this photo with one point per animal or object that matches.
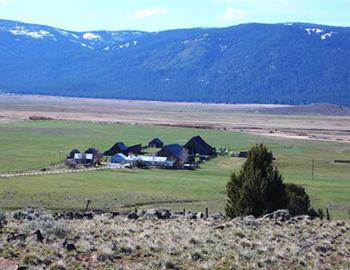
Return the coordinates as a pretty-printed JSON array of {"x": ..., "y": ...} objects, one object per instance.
[{"x": 35, "y": 144}]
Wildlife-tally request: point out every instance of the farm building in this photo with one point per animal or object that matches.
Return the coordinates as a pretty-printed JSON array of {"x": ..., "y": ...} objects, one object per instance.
[
  {"x": 147, "y": 161},
  {"x": 151, "y": 161},
  {"x": 174, "y": 152},
  {"x": 75, "y": 158},
  {"x": 196, "y": 145},
  {"x": 92, "y": 151},
  {"x": 119, "y": 147},
  {"x": 120, "y": 158},
  {"x": 93, "y": 156},
  {"x": 73, "y": 153},
  {"x": 135, "y": 149},
  {"x": 243, "y": 154},
  {"x": 156, "y": 143}
]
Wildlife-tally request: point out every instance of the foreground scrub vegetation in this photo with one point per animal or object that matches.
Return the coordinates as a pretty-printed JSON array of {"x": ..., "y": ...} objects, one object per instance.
[{"x": 37, "y": 239}]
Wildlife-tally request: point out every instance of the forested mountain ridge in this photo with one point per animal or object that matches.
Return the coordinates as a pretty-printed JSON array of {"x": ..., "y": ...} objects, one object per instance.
[{"x": 290, "y": 63}]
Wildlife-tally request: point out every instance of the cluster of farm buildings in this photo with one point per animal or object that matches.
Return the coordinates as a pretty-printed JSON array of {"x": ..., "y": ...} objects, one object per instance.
[{"x": 171, "y": 156}]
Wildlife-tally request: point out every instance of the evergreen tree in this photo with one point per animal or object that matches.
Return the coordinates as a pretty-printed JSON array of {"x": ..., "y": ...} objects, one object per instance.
[
  {"x": 298, "y": 200},
  {"x": 258, "y": 188}
]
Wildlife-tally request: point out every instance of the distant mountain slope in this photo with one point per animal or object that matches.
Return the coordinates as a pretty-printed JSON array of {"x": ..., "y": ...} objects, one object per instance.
[{"x": 251, "y": 63}]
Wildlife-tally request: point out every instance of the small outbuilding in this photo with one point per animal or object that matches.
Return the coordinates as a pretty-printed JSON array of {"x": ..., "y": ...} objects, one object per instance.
[
  {"x": 73, "y": 153},
  {"x": 75, "y": 158},
  {"x": 156, "y": 143},
  {"x": 93, "y": 156},
  {"x": 243, "y": 154},
  {"x": 119, "y": 147},
  {"x": 196, "y": 145}
]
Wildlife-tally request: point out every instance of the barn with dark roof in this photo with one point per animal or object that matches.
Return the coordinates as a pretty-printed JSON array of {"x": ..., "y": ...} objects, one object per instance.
[
  {"x": 72, "y": 154},
  {"x": 173, "y": 152},
  {"x": 135, "y": 149},
  {"x": 156, "y": 143},
  {"x": 92, "y": 151},
  {"x": 119, "y": 147},
  {"x": 196, "y": 145},
  {"x": 93, "y": 156}
]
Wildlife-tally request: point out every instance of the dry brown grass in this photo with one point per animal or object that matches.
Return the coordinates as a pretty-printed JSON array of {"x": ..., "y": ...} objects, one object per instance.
[
  {"x": 252, "y": 118},
  {"x": 178, "y": 243}
]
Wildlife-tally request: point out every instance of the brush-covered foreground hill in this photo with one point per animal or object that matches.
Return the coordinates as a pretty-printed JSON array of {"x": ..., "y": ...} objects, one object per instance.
[
  {"x": 251, "y": 63},
  {"x": 40, "y": 240}
]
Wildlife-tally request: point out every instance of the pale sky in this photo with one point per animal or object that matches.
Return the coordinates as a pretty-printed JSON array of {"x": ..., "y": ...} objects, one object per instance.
[{"x": 155, "y": 15}]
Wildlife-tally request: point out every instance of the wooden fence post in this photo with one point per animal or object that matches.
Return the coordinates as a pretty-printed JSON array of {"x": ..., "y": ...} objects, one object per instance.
[
  {"x": 87, "y": 205},
  {"x": 328, "y": 215},
  {"x": 206, "y": 213}
]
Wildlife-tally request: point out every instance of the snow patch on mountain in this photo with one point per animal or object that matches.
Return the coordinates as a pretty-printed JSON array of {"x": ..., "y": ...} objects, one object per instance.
[
  {"x": 92, "y": 37},
  {"x": 314, "y": 30},
  {"x": 128, "y": 44},
  {"x": 87, "y": 46},
  {"x": 67, "y": 34},
  {"x": 322, "y": 33},
  {"x": 327, "y": 35},
  {"x": 21, "y": 31}
]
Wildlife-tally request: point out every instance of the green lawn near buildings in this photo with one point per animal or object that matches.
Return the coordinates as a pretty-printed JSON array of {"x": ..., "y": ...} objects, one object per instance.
[{"x": 35, "y": 144}]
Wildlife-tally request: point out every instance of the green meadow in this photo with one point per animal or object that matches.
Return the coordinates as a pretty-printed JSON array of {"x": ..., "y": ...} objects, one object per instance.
[{"x": 26, "y": 145}]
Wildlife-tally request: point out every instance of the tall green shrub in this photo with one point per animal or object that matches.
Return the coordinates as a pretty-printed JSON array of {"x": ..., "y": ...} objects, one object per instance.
[
  {"x": 298, "y": 200},
  {"x": 258, "y": 188}
]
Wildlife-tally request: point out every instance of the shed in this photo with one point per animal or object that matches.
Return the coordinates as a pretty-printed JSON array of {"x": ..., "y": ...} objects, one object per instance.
[
  {"x": 72, "y": 154},
  {"x": 156, "y": 143},
  {"x": 119, "y": 147},
  {"x": 196, "y": 145},
  {"x": 92, "y": 151},
  {"x": 93, "y": 156},
  {"x": 135, "y": 149},
  {"x": 243, "y": 154}
]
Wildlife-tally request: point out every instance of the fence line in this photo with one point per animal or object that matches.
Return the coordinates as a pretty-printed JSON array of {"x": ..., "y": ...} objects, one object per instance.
[{"x": 11, "y": 175}]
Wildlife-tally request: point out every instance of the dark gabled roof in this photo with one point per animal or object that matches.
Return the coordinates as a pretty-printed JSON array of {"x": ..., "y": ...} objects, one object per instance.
[
  {"x": 92, "y": 150},
  {"x": 156, "y": 142},
  {"x": 135, "y": 149},
  {"x": 172, "y": 150},
  {"x": 196, "y": 145},
  {"x": 119, "y": 147},
  {"x": 72, "y": 153}
]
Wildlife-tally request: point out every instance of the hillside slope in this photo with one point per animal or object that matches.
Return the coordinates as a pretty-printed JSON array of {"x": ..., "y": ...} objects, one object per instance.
[
  {"x": 37, "y": 239},
  {"x": 251, "y": 63}
]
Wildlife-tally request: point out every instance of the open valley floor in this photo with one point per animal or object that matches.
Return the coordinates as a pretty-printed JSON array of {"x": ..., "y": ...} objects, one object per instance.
[{"x": 37, "y": 144}]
